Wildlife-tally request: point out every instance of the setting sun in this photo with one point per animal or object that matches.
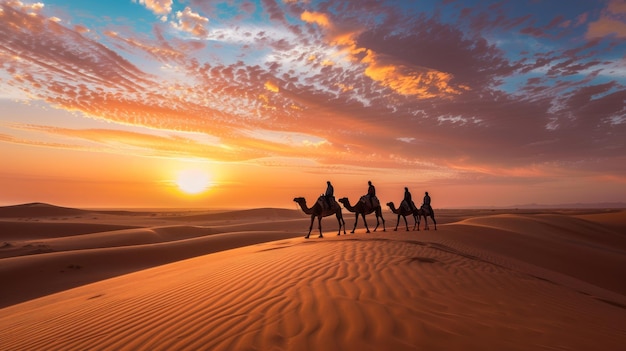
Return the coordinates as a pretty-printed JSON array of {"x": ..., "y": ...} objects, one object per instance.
[{"x": 193, "y": 181}]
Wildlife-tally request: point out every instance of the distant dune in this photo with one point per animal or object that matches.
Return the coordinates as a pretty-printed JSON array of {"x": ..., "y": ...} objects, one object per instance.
[
  {"x": 578, "y": 205},
  {"x": 243, "y": 280},
  {"x": 38, "y": 209}
]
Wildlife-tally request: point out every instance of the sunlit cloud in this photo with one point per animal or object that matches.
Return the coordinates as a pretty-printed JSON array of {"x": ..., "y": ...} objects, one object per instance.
[
  {"x": 81, "y": 29},
  {"x": 271, "y": 87},
  {"x": 192, "y": 23},
  {"x": 415, "y": 81},
  {"x": 426, "y": 83},
  {"x": 315, "y": 17},
  {"x": 22, "y": 141},
  {"x": 159, "y": 7},
  {"x": 122, "y": 142}
]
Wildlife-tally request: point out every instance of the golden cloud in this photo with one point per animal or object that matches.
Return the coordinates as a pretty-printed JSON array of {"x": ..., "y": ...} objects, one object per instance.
[
  {"x": 420, "y": 82},
  {"x": 416, "y": 81},
  {"x": 271, "y": 87},
  {"x": 315, "y": 17}
]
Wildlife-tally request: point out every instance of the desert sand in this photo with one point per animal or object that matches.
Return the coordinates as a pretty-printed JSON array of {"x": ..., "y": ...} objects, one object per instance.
[{"x": 247, "y": 280}]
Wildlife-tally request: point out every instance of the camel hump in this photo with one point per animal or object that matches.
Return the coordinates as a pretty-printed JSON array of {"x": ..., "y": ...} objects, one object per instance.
[
  {"x": 327, "y": 202},
  {"x": 408, "y": 206},
  {"x": 373, "y": 203},
  {"x": 428, "y": 211},
  {"x": 405, "y": 206}
]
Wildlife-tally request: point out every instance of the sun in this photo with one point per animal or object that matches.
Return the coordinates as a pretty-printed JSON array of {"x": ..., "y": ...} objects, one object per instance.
[{"x": 193, "y": 181}]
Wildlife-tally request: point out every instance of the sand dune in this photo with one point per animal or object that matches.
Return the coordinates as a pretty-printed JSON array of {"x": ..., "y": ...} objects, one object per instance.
[
  {"x": 483, "y": 281},
  {"x": 563, "y": 244},
  {"x": 60, "y": 252}
]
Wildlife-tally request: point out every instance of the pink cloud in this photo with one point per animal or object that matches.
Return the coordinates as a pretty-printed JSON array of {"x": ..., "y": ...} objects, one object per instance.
[
  {"x": 606, "y": 26},
  {"x": 611, "y": 22}
]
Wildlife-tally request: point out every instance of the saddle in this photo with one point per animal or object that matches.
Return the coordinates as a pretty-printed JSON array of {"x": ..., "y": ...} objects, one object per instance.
[
  {"x": 326, "y": 202},
  {"x": 406, "y": 206},
  {"x": 366, "y": 201}
]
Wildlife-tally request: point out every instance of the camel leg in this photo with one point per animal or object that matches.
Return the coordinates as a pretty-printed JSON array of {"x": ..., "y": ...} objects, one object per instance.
[
  {"x": 397, "y": 223},
  {"x": 377, "y": 222},
  {"x": 380, "y": 213},
  {"x": 426, "y": 223},
  {"x": 356, "y": 220},
  {"x": 342, "y": 222},
  {"x": 434, "y": 221},
  {"x": 310, "y": 227},
  {"x": 319, "y": 224},
  {"x": 406, "y": 223},
  {"x": 364, "y": 221}
]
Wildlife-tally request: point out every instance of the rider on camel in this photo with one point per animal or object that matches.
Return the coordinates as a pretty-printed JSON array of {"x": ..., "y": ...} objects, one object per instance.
[
  {"x": 426, "y": 203},
  {"x": 371, "y": 193},
  {"x": 408, "y": 199},
  {"x": 329, "y": 194}
]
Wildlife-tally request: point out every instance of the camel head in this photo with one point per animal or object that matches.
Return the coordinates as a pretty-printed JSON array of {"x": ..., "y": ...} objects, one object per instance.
[
  {"x": 391, "y": 205},
  {"x": 299, "y": 199},
  {"x": 344, "y": 200}
]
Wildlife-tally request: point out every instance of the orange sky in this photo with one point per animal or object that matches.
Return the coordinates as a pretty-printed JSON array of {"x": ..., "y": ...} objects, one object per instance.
[
  {"x": 103, "y": 179},
  {"x": 482, "y": 106}
]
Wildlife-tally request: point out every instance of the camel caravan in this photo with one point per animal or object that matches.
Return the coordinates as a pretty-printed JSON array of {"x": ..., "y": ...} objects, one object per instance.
[{"x": 326, "y": 205}]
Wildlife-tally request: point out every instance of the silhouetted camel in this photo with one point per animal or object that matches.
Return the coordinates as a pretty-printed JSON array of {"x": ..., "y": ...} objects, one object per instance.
[
  {"x": 362, "y": 208},
  {"x": 402, "y": 211},
  {"x": 320, "y": 211},
  {"x": 424, "y": 212}
]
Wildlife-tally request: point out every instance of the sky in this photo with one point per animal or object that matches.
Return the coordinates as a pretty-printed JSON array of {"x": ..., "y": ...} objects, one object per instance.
[{"x": 229, "y": 104}]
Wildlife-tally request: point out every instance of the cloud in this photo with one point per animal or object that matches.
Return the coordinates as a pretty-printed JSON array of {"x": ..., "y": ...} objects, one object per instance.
[
  {"x": 606, "y": 26},
  {"x": 315, "y": 17},
  {"x": 401, "y": 77},
  {"x": 192, "y": 23},
  {"x": 123, "y": 142},
  {"x": 159, "y": 7},
  {"x": 271, "y": 87},
  {"x": 612, "y": 21},
  {"x": 415, "y": 81},
  {"x": 617, "y": 7},
  {"x": 23, "y": 141}
]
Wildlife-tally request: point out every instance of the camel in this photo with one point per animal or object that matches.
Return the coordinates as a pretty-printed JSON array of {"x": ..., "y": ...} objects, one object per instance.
[
  {"x": 425, "y": 212},
  {"x": 362, "y": 208},
  {"x": 403, "y": 212},
  {"x": 320, "y": 211},
  {"x": 417, "y": 214}
]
